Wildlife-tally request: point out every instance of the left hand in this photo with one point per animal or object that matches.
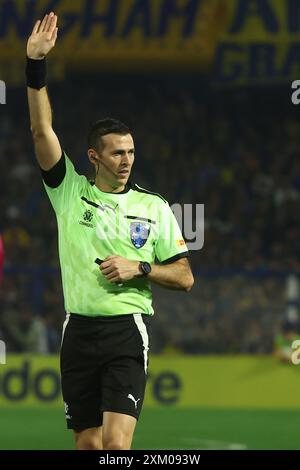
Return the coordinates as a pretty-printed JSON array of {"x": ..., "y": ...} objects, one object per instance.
[{"x": 118, "y": 269}]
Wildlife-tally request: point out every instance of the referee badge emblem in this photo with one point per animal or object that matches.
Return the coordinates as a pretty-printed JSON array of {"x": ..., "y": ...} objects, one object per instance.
[{"x": 139, "y": 233}]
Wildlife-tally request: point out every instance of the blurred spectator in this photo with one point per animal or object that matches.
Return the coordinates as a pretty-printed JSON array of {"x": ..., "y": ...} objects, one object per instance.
[{"x": 24, "y": 332}]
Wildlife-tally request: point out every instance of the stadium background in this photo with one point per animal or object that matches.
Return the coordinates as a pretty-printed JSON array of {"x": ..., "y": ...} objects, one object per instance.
[{"x": 206, "y": 87}]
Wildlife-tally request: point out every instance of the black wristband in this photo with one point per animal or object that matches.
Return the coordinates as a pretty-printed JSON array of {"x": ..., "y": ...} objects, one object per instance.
[{"x": 36, "y": 71}]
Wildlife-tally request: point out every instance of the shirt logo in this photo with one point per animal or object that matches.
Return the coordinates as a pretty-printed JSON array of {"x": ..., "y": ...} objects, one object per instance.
[
  {"x": 134, "y": 400},
  {"x": 139, "y": 233},
  {"x": 87, "y": 218}
]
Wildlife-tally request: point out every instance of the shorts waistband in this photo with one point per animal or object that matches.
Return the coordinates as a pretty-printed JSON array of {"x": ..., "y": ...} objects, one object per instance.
[{"x": 106, "y": 318}]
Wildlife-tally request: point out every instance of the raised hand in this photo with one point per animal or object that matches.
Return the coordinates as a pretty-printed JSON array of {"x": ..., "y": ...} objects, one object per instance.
[{"x": 43, "y": 37}]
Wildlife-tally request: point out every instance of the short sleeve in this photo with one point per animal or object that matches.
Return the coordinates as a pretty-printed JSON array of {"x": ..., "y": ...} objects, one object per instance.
[
  {"x": 62, "y": 196},
  {"x": 170, "y": 244}
]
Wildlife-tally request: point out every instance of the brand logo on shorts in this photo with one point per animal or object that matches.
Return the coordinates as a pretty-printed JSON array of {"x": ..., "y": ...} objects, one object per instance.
[
  {"x": 67, "y": 411},
  {"x": 133, "y": 399}
]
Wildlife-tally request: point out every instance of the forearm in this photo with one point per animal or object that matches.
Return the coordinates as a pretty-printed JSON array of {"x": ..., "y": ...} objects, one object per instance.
[
  {"x": 172, "y": 276},
  {"x": 176, "y": 275},
  {"x": 39, "y": 110},
  {"x": 46, "y": 144}
]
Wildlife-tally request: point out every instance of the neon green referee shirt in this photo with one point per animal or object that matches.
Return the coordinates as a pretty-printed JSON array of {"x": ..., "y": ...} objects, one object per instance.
[{"x": 135, "y": 224}]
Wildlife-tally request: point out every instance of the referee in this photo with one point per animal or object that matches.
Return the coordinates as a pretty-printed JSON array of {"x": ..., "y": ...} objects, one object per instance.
[{"x": 111, "y": 232}]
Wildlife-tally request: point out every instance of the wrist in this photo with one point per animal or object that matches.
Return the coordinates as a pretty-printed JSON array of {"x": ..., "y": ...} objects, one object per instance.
[
  {"x": 36, "y": 58},
  {"x": 137, "y": 271},
  {"x": 144, "y": 268},
  {"x": 36, "y": 72}
]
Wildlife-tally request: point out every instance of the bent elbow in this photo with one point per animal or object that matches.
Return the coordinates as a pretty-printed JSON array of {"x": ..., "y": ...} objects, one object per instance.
[
  {"x": 188, "y": 287},
  {"x": 39, "y": 132}
]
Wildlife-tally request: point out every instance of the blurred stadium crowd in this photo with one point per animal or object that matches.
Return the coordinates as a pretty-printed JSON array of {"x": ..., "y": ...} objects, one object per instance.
[{"x": 234, "y": 151}]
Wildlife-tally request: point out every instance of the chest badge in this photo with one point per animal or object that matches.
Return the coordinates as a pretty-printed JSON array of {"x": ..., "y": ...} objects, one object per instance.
[{"x": 139, "y": 233}]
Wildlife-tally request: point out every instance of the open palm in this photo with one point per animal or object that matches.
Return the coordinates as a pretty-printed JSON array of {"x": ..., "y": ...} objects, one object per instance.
[{"x": 43, "y": 37}]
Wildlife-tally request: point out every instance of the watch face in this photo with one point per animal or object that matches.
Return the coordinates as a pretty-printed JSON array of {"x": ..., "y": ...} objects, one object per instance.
[{"x": 146, "y": 268}]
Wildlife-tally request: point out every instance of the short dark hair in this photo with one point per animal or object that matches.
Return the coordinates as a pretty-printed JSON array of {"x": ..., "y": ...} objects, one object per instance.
[{"x": 104, "y": 127}]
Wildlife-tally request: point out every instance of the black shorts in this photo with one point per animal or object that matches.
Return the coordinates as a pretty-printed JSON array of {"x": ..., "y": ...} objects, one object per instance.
[{"x": 104, "y": 364}]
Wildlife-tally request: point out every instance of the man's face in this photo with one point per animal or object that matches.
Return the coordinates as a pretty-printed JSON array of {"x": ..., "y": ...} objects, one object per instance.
[{"x": 116, "y": 158}]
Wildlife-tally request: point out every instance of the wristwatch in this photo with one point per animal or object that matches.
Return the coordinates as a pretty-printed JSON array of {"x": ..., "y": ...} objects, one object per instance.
[{"x": 145, "y": 268}]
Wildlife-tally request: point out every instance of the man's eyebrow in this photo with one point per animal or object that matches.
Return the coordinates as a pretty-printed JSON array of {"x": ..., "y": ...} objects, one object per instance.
[{"x": 122, "y": 150}]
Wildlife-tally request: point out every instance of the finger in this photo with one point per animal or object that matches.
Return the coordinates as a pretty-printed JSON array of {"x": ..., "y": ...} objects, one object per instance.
[
  {"x": 52, "y": 25},
  {"x": 111, "y": 257},
  {"x": 36, "y": 27},
  {"x": 113, "y": 278},
  {"x": 108, "y": 270},
  {"x": 43, "y": 24},
  {"x": 54, "y": 35},
  {"x": 48, "y": 22},
  {"x": 108, "y": 260},
  {"x": 105, "y": 264}
]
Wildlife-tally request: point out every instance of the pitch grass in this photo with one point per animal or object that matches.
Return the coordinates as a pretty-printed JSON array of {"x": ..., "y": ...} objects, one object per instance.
[{"x": 165, "y": 428}]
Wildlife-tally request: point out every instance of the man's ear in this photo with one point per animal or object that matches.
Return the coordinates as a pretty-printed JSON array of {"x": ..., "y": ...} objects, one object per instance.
[{"x": 93, "y": 156}]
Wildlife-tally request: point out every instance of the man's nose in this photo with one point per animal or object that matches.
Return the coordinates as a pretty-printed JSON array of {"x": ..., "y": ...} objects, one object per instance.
[{"x": 126, "y": 158}]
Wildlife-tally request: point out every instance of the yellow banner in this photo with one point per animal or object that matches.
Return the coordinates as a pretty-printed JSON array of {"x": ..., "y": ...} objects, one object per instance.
[
  {"x": 216, "y": 382},
  {"x": 260, "y": 41},
  {"x": 98, "y": 32},
  {"x": 239, "y": 41}
]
